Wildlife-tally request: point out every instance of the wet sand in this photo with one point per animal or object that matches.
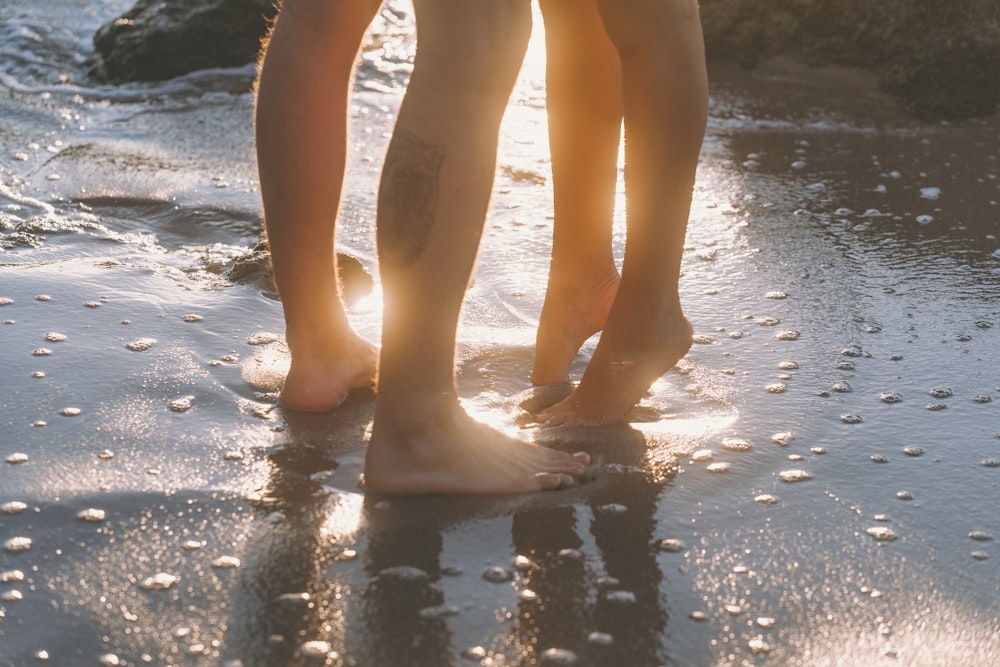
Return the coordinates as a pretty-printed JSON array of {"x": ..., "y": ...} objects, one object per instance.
[{"x": 814, "y": 484}]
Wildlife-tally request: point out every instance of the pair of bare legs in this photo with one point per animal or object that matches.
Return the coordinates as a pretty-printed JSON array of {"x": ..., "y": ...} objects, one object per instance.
[
  {"x": 609, "y": 60},
  {"x": 432, "y": 203}
]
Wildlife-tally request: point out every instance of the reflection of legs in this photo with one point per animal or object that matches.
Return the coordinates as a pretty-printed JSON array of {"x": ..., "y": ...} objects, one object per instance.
[
  {"x": 301, "y": 127},
  {"x": 585, "y": 114},
  {"x": 665, "y": 94},
  {"x": 432, "y": 203}
]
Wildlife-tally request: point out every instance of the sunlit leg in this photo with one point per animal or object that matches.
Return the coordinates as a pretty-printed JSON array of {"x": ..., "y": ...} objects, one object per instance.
[
  {"x": 433, "y": 200},
  {"x": 301, "y": 133},
  {"x": 666, "y": 100}
]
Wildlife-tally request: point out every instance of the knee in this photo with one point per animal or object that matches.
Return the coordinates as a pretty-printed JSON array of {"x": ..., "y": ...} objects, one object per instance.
[{"x": 643, "y": 25}]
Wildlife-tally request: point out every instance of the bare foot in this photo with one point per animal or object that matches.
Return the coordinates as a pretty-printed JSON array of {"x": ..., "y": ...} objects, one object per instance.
[
  {"x": 625, "y": 364},
  {"x": 570, "y": 316},
  {"x": 320, "y": 377},
  {"x": 443, "y": 450}
]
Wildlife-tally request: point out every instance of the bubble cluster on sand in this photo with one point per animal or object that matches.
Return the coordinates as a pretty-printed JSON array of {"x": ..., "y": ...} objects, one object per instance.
[
  {"x": 13, "y": 507},
  {"x": 474, "y": 653},
  {"x": 497, "y": 575},
  {"x": 140, "y": 344},
  {"x": 882, "y": 533},
  {"x": 315, "y": 649},
  {"x": 437, "y": 612},
  {"x": 17, "y": 544},
  {"x": 736, "y": 445},
  {"x": 181, "y": 404},
  {"x": 262, "y": 338},
  {"x": 794, "y": 475},
  {"x": 11, "y": 576},
  {"x": 600, "y": 639},
  {"x": 160, "y": 581},
  {"x": 620, "y": 596},
  {"x": 671, "y": 545},
  {"x": 91, "y": 515},
  {"x": 783, "y": 438},
  {"x": 558, "y": 656},
  {"x": 226, "y": 562}
]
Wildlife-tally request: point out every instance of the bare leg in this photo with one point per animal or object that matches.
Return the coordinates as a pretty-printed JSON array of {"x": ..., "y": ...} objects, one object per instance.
[
  {"x": 583, "y": 91},
  {"x": 432, "y": 204},
  {"x": 301, "y": 132},
  {"x": 666, "y": 100}
]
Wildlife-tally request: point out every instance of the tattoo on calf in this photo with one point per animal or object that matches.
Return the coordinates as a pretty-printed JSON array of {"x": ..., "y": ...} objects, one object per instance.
[{"x": 407, "y": 198}]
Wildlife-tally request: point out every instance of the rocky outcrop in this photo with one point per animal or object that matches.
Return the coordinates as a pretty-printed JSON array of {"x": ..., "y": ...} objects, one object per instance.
[
  {"x": 939, "y": 59},
  {"x": 161, "y": 39}
]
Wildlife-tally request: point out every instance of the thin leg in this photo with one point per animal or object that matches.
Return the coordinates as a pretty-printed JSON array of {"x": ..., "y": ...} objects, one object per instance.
[
  {"x": 665, "y": 93},
  {"x": 583, "y": 97},
  {"x": 301, "y": 133},
  {"x": 433, "y": 200}
]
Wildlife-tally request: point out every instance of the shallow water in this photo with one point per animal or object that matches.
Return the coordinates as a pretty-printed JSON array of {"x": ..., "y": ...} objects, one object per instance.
[{"x": 841, "y": 271}]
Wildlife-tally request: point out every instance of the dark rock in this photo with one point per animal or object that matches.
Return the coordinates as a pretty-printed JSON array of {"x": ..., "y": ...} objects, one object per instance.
[
  {"x": 254, "y": 268},
  {"x": 938, "y": 59},
  {"x": 159, "y": 39}
]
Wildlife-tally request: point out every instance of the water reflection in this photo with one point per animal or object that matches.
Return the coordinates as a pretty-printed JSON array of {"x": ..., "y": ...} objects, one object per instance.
[{"x": 332, "y": 577}]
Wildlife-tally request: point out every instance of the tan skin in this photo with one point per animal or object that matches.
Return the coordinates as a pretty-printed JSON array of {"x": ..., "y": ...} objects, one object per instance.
[
  {"x": 432, "y": 203},
  {"x": 658, "y": 50}
]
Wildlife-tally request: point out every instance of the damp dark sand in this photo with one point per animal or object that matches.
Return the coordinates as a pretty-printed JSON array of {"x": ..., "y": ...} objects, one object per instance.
[{"x": 815, "y": 483}]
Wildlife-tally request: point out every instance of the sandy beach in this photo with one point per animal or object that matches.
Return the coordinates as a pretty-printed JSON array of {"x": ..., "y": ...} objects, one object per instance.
[{"x": 814, "y": 484}]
